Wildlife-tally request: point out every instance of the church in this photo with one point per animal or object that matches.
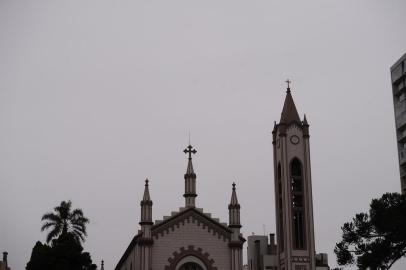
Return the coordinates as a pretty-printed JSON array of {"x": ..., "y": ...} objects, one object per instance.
[
  {"x": 188, "y": 239},
  {"x": 191, "y": 239}
]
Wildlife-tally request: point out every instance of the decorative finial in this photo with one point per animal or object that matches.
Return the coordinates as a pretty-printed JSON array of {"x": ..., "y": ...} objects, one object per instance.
[
  {"x": 190, "y": 150},
  {"x": 233, "y": 185},
  {"x": 102, "y": 265},
  {"x": 288, "y": 82},
  {"x": 146, "y": 182}
]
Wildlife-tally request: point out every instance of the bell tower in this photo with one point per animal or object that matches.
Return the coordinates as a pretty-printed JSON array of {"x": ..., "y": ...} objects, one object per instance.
[{"x": 293, "y": 189}]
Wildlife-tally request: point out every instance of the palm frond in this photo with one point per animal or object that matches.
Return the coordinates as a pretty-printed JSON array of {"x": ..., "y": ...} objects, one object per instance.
[
  {"x": 79, "y": 235},
  {"x": 81, "y": 229},
  {"x": 51, "y": 216},
  {"x": 77, "y": 213},
  {"x": 53, "y": 233},
  {"x": 64, "y": 209},
  {"x": 47, "y": 225}
]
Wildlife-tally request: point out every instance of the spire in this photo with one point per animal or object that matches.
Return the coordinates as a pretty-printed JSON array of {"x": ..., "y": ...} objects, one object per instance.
[
  {"x": 234, "y": 210},
  {"x": 305, "y": 127},
  {"x": 234, "y": 200},
  {"x": 146, "y": 196},
  {"x": 189, "y": 169},
  {"x": 289, "y": 112},
  {"x": 190, "y": 178},
  {"x": 190, "y": 150},
  {"x": 146, "y": 206},
  {"x": 305, "y": 120}
]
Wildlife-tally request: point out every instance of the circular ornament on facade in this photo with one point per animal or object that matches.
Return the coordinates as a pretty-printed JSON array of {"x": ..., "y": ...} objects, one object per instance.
[{"x": 294, "y": 139}]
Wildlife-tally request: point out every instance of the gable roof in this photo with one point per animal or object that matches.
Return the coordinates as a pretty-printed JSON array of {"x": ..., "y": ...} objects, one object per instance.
[{"x": 164, "y": 226}]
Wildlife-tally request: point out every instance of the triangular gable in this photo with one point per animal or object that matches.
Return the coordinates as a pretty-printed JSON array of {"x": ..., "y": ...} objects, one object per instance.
[{"x": 169, "y": 224}]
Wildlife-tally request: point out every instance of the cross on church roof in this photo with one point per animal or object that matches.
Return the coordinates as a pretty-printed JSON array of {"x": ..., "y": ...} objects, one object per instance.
[
  {"x": 189, "y": 150},
  {"x": 288, "y": 82}
]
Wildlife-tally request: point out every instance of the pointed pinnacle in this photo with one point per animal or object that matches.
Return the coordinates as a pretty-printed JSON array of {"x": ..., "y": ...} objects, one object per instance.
[
  {"x": 305, "y": 120},
  {"x": 146, "y": 196},
  {"x": 234, "y": 200}
]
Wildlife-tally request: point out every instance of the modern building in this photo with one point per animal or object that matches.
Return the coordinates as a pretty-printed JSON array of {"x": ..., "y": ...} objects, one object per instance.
[
  {"x": 4, "y": 262},
  {"x": 187, "y": 239},
  {"x": 261, "y": 253},
  {"x": 398, "y": 80}
]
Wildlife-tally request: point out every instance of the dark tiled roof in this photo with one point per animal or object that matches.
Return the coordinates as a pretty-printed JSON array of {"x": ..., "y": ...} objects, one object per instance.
[{"x": 289, "y": 112}]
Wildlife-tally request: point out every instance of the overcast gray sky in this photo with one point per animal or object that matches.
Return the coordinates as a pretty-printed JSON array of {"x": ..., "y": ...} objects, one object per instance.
[{"x": 95, "y": 96}]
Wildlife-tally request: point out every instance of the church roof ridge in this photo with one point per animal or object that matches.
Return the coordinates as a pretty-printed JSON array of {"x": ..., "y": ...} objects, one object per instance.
[{"x": 127, "y": 251}]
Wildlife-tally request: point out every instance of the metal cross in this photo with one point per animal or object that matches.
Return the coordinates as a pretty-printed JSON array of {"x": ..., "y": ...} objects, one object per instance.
[
  {"x": 288, "y": 82},
  {"x": 189, "y": 150}
]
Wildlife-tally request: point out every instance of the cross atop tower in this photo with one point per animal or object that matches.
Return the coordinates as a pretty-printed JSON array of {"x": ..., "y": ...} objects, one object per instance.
[
  {"x": 288, "y": 82},
  {"x": 190, "y": 150}
]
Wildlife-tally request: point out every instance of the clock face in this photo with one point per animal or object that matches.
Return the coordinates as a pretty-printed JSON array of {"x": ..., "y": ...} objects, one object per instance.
[{"x": 294, "y": 139}]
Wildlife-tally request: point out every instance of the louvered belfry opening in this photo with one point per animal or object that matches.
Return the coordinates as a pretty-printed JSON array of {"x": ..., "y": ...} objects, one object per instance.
[{"x": 297, "y": 204}]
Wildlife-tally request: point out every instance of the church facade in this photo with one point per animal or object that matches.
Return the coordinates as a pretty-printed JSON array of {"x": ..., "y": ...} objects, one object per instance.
[{"x": 188, "y": 239}]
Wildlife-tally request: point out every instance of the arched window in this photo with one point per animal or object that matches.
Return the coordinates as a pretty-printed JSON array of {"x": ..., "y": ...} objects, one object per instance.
[
  {"x": 280, "y": 204},
  {"x": 296, "y": 176}
]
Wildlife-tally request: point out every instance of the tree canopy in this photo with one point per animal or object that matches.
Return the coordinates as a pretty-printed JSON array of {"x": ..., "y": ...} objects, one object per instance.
[
  {"x": 65, "y": 252},
  {"x": 378, "y": 239},
  {"x": 64, "y": 220}
]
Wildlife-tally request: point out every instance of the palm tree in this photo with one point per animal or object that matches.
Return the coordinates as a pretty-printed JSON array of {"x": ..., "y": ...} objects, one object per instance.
[{"x": 64, "y": 220}]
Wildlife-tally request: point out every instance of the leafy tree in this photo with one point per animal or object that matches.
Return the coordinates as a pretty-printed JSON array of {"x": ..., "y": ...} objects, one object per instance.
[
  {"x": 64, "y": 220},
  {"x": 40, "y": 257},
  {"x": 65, "y": 251},
  {"x": 378, "y": 239}
]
